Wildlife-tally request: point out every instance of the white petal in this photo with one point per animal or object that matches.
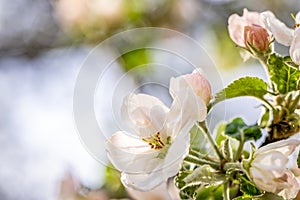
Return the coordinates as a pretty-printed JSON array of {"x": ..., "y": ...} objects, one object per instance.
[
  {"x": 144, "y": 113},
  {"x": 297, "y": 17},
  {"x": 131, "y": 155},
  {"x": 143, "y": 182},
  {"x": 274, "y": 162},
  {"x": 170, "y": 167},
  {"x": 295, "y": 47},
  {"x": 187, "y": 108},
  {"x": 159, "y": 193},
  {"x": 286, "y": 147},
  {"x": 188, "y": 102},
  {"x": 176, "y": 154},
  {"x": 280, "y": 31}
]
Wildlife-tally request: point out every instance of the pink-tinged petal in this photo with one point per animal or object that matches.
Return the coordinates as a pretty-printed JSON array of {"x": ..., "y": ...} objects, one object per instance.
[
  {"x": 236, "y": 29},
  {"x": 280, "y": 31},
  {"x": 144, "y": 114},
  {"x": 199, "y": 84},
  {"x": 191, "y": 93},
  {"x": 253, "y": 18},
  {"x": 131, "y": 155},
  {"x": 295, "y": 47}
]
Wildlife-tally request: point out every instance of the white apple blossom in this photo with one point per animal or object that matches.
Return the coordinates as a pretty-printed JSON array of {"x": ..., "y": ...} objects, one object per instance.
[
  {"x": 159, "y": 138},
  {"x": 274, "y": 168},
  {"x": 283, "y": 34}
]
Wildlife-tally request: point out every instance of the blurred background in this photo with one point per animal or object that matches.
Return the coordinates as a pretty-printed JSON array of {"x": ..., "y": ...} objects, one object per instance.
[{"x": 43, "y": 45}]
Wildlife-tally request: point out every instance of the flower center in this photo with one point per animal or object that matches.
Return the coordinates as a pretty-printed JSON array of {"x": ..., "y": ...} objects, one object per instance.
[{"x": 154, "y": 141}]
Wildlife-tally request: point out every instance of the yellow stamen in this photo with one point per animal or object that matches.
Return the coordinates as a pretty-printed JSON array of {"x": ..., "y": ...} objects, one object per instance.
[{"x": 154, "y": 141}]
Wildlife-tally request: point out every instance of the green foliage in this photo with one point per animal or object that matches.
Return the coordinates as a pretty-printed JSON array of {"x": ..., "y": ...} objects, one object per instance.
[
  {"x": 112, "y": 184},
  {"x": 285, "y": 76},
  {"x": 248, "y": 188},
  {"x": 239, "y": 130},
  {"x": 210, "y": 193},
  {"x": 246, "y": 86},
  {"x": 135, "y": 58}
]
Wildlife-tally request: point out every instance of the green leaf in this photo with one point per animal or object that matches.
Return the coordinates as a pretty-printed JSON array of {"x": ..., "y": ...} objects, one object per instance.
[
  {"x": 249, "y": 188},
  {"x": 285, "y": 76},
  {"x": 206, "y": 175},
  {"x": 210, "y": 193},
  {"x": 246, "y": 86},
  {"x": 237, "y": 129}
]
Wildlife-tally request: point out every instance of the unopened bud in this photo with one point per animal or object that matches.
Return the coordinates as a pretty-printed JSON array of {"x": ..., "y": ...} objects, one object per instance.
[{"x": 256, "y": 38}]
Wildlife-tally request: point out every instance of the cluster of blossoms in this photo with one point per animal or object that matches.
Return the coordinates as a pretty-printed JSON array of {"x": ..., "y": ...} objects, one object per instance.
[{"x": 158, "y": 146}]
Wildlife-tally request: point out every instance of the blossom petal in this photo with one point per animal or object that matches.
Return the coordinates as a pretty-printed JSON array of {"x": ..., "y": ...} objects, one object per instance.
[
  {"x": 144, "y": 113},
  {"x": 188, "y": 103},
  {"x": 297, "y": 17},
  {"x": 170, "y": 167},
  {"x": 131, "y": 155},
  {"x": 274, "y": 169},
  {"x": 236, "y": 29},
  {"x": 143, "y": 182},
  {"x": 176, "y": 154},
  {"x": 159, "y": 193},
  {"x": 286, "y": 147},
  {"x": 253, "y": 18},
  {"x": 237, "y": 23},
  {"x": 295, "y": 47},
  {"x": 280, "y": 31}
]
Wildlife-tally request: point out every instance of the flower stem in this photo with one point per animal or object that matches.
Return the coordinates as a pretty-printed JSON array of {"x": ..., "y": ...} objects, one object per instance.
[
  {"x": 203, "y": 127},
  {"x": 239, "y": 150},
  {"x": 226, "y": 191},
  {"x": 197, "y": 154},
  {"x": 233, "y": 165},
  {"x": 198, "y": 161}
]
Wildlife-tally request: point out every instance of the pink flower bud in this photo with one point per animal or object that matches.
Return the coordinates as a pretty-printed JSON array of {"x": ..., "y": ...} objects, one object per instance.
[
  {"x": 199, "y": 84},
  {"x": 256, "y": 37},
  {"x": 249, "y": 29}
]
